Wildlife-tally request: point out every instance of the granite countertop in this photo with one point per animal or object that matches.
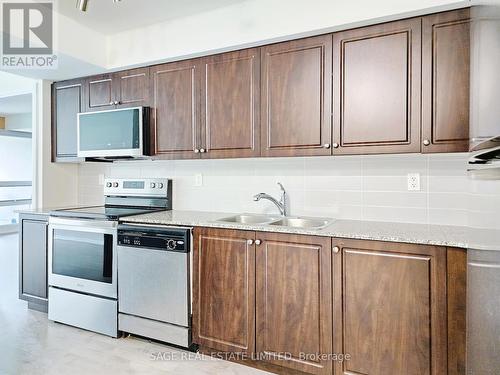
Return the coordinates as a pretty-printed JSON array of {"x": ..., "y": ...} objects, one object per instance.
[
  {"x": 426, "y": 234},
  {"x": 441, "y": 235}
]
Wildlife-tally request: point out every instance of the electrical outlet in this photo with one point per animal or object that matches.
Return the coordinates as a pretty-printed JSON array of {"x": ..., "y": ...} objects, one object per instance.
[
  {"x": 198, "y": 179},
  {"x": 413, "y": 181}
]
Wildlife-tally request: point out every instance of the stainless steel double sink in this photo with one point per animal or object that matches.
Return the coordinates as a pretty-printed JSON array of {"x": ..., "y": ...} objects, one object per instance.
[{"x": 283, "y": 221}]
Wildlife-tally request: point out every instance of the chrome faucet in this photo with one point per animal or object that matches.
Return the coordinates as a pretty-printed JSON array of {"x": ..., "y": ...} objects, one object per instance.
[{"x": 281, "y": 204}]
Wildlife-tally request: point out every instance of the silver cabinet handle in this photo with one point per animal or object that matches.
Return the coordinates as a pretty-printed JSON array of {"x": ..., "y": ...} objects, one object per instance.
[
  {"x": 202, "y": 150},
  {"x": 249, "y": 242},
  {"x": 196, "y": 150},
  {"x": 326, "y": 145},
  {"x": 427, "y": 142},
  {"x": 258, "y": 242},
  {"x": 335, "y": 145},
  {"x": 336, "y": 249}
]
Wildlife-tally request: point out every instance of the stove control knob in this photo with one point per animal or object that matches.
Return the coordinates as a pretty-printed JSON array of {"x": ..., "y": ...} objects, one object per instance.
[
  {"x": 108, "y": 184},
  {"x": 160, "y": 185},
  {"x": 115, "y": 184},
  {"x": 153, "y": 185},
  {"x": 171, "y": 244}
]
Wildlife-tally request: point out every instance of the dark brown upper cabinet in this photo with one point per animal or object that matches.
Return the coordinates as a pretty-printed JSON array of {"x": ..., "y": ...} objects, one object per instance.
[
  {"x": 67, "y": 102},
  {"x": 129, "y": 88},
  {"x": 445, "y": 81},
  {"x": 296, "y": 97},
  {"x": 390, "y": 308},
  {"x": 132, "y": 88},
  {"x": 175, "y": 112},
  {"x": 397, "y": 87},
  {"x": 230, "y": 105},
  {"x": 100, "y": 93},
  {"x": 377, "y": 88}
]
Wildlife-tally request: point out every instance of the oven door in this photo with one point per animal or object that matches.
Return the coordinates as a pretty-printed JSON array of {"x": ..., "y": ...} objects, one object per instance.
[{"x": 82, "y": 256}]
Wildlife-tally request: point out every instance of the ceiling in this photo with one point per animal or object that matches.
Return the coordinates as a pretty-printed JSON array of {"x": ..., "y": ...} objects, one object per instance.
[
  {"x": 108, "y": 17},
  {"x": 12, "y": 105}
]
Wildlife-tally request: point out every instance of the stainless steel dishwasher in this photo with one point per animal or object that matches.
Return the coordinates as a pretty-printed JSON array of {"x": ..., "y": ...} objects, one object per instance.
[{"x": 154, "y": 282}]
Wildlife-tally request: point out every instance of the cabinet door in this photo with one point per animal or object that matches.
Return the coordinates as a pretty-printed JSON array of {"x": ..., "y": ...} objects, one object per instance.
[
  {"x": 445, "y": 81},
  {"x": 377, "y": 88},
  {"x": 33, "y": 259},
  {"x": 132, "y": 88},
  {"x": 296, "y": 97},
  {"x": 224, "y": 290},
  {"x": 390, "y": 308},
  {"x": 100, "y": 93},
  {"x": 175, "y": 112},
  {"x": 294, "y": 300},
  {"x": 230, "y": 109},
  {"x": 67, "y": 102}
]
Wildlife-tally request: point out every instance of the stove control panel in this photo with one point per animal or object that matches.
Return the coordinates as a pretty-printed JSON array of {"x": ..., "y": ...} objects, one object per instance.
[{"x": 157, "y": 187}]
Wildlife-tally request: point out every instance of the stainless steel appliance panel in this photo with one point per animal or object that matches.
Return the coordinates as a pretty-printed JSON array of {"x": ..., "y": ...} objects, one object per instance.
[
  {"x": 113, "y": 133},
  {"x": 82, "y": 256},
  {"x": 170, "y": 333},
  {"x": 154, "y": 284},
  {"x": 80, "y": 310},
  {"x": 483, "y": 312}
]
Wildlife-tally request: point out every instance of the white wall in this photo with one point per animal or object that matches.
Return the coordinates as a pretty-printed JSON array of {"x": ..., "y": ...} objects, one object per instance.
[
  {"x": 79, "y": 42},
  {"x": 83, "y": 51},
  {"x": 11, "y": 84},
  {"x": 15, "y": 159},
  {"x": 21, "y": 121},
  {"x": 15, "y": 165},
  {"x": 80, "y": 51},
  {"x": 56, "y": 183},
  {"x": 484, "y": 204},
  {"x": 350, "y": 187},
  {"x": 254, "y": 22}
]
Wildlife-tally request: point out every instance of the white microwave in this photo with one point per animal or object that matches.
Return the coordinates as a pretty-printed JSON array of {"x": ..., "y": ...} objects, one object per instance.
[{"x": 118, "y": 133}]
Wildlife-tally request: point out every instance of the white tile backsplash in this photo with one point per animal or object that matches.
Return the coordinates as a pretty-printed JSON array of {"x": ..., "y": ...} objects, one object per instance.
[{"x": 348, "y": 187}]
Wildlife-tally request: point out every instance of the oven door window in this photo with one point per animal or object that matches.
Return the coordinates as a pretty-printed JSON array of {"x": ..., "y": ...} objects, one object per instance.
[{"x": 84, "y": 255}]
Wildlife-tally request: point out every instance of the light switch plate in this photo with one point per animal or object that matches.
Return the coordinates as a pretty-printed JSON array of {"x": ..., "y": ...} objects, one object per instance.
[
  {"x": 101, "y": 179},
  {"x": 198, "y": 179},
  {"x": 413, "y": 181}
]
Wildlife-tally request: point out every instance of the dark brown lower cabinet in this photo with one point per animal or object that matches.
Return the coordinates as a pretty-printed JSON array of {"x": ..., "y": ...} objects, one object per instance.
[
  {"x": 390, "y": 308},
  {"x": 265, "y": 293},
  {"x": 299, "y": 303},
  {"x": 224, "y": 290},
  {"x": 294, "y": 301}
]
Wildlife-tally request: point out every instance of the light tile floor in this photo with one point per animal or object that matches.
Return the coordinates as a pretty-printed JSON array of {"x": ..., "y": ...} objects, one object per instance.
[{"x": 30, "y": 344}]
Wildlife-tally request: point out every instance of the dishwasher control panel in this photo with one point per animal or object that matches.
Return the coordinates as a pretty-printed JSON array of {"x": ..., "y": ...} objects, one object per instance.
[{"x": 157, "y": 238}]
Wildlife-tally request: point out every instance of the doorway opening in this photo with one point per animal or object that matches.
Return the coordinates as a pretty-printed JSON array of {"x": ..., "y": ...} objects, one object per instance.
[{"x": 16, "y": 158}]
